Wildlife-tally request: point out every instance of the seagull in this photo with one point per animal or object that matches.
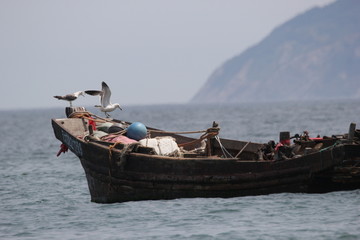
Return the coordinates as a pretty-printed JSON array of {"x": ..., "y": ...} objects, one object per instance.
[
  {"x": 70, "y": 97},
  {"x": 105, "y": 93}
]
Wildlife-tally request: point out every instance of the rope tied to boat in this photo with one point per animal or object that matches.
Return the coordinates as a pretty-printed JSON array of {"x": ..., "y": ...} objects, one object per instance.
[
  {"x": 127, "y": 149},
  {"x": 225, "y": 152},
  {"x": 89, "y": 116},
  {"x": 169, "y": 132},
  {"x": 208, "y": 133},
  {"x": 332, "y": 146},
  {"x": 79, "y": 115}
]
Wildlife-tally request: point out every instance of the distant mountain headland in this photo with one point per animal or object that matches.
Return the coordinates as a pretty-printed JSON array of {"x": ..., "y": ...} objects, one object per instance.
[{"x": 315, "y": 55}]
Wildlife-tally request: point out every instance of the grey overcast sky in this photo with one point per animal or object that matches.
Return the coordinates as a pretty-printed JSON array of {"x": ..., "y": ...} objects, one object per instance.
[{"x": 148, "y": 52}]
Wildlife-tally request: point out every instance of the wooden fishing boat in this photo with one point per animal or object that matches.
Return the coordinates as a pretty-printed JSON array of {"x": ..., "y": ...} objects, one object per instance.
[{"x": 128, "y": 170}]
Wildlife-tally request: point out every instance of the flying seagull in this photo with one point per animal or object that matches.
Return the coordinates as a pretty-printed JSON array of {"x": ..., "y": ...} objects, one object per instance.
[
  {"x": 70, "y": 97},
  {"x": 105, "y": 93}
]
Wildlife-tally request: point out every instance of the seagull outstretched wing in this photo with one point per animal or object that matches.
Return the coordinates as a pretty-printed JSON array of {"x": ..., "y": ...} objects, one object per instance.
[{"x": 105, "y": 95}]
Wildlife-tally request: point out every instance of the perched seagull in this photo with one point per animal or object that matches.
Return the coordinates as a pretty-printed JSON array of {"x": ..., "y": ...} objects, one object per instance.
[
  {"x": 105, "y": 93},
  {"x": 70, "y": 97}
]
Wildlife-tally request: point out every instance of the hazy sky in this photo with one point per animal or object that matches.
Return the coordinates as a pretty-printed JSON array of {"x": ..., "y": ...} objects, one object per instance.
[{"x": 148, "y": 52}]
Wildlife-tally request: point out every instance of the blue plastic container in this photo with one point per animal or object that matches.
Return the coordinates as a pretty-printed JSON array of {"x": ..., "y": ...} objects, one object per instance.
[{"x": 136, "y": 131}]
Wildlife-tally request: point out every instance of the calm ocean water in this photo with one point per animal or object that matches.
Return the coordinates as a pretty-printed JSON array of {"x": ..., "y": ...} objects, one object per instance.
[{"x": 46, "y": 197}]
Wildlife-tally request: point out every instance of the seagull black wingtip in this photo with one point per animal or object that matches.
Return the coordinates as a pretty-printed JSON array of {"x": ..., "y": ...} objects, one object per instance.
[{"x": 93, "y": 92}]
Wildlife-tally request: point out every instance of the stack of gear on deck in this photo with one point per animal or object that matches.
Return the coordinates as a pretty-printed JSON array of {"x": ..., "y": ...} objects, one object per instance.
[{"x": 164, "y": 146}]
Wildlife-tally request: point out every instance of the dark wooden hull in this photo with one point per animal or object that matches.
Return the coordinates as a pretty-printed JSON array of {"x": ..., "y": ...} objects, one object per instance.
[
  {"x": 119, "y": 175},
  {"x": 344, "y": 176}
]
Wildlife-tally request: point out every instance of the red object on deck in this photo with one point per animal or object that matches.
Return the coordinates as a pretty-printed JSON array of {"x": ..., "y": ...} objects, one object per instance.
[
  {"x": 318, "y": 138},
  {"x": 278, "y": 146},
  {"x": 93, "y": 124},
  {"x": 285, "y": 142}
]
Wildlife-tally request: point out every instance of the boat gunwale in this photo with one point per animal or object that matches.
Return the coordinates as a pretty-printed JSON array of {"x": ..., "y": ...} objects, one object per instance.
[{"x": 105, "y": 146}]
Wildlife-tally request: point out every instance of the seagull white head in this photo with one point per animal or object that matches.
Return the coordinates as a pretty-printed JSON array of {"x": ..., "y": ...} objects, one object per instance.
[
  {"x": 117, "y": 106},
  {"x": 79, "y": 93}
]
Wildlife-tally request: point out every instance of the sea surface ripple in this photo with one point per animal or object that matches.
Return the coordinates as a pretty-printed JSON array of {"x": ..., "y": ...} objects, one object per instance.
[{"x": 46, "y": 197}]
